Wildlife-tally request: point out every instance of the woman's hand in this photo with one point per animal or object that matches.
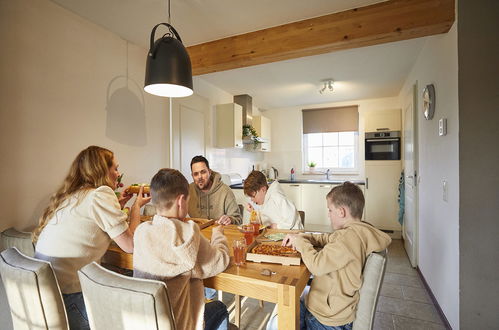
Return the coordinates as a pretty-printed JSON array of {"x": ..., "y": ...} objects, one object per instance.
[
  {"x": 123, "y": 198},
  {"x": 142, "y": 199}
]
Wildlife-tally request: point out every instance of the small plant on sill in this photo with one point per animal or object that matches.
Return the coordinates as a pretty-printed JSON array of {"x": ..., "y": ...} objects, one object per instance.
[
  {"x": 250, "y": 134},
  {"x": 311, "y": 166}
]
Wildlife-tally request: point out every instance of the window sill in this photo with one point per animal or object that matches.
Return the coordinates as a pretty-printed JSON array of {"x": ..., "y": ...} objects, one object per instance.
[{"x": 330, "y": 173}]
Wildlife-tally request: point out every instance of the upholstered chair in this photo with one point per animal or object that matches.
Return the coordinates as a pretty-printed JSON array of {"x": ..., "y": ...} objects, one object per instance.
[
  {"x": 115, "y": 301},
  {"x": 21, "y": 240},
  {"x": 34, "y": 296},
  {"x": 374, "y": 271}
]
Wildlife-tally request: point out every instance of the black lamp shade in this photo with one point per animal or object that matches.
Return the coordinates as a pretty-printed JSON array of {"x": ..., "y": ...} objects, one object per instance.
[{"x": 168, "y": 68}]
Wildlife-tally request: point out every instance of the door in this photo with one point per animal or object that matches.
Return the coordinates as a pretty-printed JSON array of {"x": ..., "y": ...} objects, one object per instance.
[
  {"x": 191, "y": 137},
  {"x": 410, "y": 225}
]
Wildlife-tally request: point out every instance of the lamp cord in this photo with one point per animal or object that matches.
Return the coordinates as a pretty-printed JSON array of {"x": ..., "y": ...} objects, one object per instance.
[{"x": 169, "y": 17}]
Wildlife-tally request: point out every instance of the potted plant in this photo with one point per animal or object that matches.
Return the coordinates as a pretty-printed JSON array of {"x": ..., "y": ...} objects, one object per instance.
[
  {"x": 311, "y": 166},
  {"x": 250, "y": 136}
]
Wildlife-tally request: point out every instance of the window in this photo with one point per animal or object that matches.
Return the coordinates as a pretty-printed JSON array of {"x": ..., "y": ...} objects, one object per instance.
[
  {"x": 330, "y": 138},
  {"x": 334, "y": 150}
]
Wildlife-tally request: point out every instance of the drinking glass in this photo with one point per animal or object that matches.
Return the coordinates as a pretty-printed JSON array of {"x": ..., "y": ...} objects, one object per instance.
[
  {"x": 249, "y": 233},
  {"x": 255, "y": 222},
  {"x": 239, "y": 247}
]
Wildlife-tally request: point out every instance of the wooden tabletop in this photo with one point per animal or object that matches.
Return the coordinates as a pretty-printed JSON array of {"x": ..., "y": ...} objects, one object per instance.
[{"x": 283, "y": 288}]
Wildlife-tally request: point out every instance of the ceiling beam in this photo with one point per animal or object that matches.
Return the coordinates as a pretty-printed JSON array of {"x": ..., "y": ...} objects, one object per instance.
[{"x": 389, "y": 21}]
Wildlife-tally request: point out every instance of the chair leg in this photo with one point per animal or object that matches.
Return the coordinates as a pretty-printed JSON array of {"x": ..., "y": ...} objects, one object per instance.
[
  {"x": 237, "y": 301},
  {"x": 261, "y": 303}
]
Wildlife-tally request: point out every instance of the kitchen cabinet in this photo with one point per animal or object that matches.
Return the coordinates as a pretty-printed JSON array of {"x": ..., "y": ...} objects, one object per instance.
[
  {"x": 315, "y": 207},
  {"x": 382, "y": 179},
  {"x": 229, "y": 128},
  {"x": 383, "y": 120},
  {"x": 261, "y": 125},
  {"x": 293, "y": 193}
]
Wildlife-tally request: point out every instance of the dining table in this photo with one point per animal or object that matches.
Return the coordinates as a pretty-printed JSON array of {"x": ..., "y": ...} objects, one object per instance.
[{"x": 283, "y": 286}]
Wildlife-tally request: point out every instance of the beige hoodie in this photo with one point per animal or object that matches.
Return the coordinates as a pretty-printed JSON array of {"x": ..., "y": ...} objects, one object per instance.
[
  {"x": 218, "y": 201},
  {"x": 175, "y": 252},
  {"x": 337, "y": 268}
]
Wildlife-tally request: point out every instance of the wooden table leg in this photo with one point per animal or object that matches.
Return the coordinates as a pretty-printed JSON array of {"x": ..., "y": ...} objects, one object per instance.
[
  {"x": 288, "y": 308},
  {"x": 237, "y": 302}
]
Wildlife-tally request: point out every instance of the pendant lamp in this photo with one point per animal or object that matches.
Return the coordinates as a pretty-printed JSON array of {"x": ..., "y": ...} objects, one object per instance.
[{"x": 168, "y": 67}]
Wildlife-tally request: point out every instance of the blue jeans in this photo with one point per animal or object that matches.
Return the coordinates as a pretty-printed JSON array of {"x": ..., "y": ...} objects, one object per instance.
[
  {"x": 216, "y": 316},
  {"x": 77, "y": 313},
  {"x": 210, "y": 293},
  {"x": 308, "y": 321}
]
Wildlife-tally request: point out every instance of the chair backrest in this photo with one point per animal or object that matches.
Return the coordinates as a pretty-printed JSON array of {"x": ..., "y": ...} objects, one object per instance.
[
  {"x": 302, "y": 217},
  {"x": 33, "y": 293},
  {"x": 21, "y": 240},
  {"x": 374, "y": 271},
  {"x": 115, "y": 301}
]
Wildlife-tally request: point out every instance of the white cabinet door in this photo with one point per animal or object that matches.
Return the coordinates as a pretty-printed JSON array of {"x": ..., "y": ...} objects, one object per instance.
[
  {"x": 315, "y": 206},
  {"x": 229, "y": 126},
  {"x": 382, "y": 178},
  {"x": 262, "y": 127},
  {"x": 293, "y": 193},
  {"x": 383, "y": 120}
]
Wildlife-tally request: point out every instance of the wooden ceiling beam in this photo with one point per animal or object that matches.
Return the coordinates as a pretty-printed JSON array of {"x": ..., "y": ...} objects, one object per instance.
[{"x": 389, "y": 21}]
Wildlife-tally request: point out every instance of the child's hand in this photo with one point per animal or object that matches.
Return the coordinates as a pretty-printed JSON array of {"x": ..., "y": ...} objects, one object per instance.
[
  {"x": 218, "y": 229},
  {"x": 249, "y": 207},
  {"x": 289, "y": 240}
]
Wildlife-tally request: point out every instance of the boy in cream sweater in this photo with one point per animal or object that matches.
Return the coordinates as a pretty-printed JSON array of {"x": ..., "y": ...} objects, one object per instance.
[
  {"x": 336, "y": 261},
  {"x": 174, "y": 251}
]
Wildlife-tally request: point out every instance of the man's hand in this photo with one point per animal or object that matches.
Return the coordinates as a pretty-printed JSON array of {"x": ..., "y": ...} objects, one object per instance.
[
  {"x": 224, "y": 220},
  {"x": 218, "y": 229},
  {"x": 289, "y": 240}
]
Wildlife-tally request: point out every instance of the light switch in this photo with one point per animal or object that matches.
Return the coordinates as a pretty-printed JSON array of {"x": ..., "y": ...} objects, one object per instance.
[
  {"x": 444, "y": 190},
  {"x": 442, "y": 126}
]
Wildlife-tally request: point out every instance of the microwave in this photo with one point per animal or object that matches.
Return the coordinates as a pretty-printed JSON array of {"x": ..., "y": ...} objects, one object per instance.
[{"x": 382, "y": 145}]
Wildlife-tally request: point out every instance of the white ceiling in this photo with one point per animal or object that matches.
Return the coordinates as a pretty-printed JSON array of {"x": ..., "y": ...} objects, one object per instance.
[{"x": 369, "y": 72}]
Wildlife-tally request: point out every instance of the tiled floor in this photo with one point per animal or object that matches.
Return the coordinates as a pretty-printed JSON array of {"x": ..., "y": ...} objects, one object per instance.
[{"x": 403, "y": 302}]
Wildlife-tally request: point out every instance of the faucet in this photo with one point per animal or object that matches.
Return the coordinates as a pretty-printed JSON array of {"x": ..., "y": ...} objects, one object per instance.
[{"x": 327, "y": 173}]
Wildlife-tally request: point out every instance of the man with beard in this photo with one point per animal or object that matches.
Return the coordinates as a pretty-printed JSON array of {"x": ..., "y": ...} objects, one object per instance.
[{"x": 210, "y": 198}]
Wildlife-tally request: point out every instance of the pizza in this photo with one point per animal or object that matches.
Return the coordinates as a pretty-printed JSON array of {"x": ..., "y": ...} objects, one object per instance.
[{"x": 274, "y": 250}]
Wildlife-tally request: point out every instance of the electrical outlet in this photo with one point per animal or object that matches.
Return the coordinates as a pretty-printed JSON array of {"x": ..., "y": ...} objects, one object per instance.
[
  {"x": 444, "y": 190},
  {"x": 442, "y": 126}
]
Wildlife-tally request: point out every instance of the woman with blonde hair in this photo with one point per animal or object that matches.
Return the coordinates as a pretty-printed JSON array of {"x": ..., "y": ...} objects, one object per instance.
[{"x": 82, "y": 218}]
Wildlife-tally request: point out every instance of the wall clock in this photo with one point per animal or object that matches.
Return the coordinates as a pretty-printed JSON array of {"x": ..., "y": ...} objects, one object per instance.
[{"x": 429, "y": 101}]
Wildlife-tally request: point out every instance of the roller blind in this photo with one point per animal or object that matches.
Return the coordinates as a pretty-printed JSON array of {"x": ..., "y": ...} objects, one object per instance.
[{"x": 337, "y": 119}]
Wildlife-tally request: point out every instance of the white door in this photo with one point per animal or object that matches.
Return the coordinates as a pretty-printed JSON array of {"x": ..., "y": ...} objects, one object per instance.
[
  {"x": 191, "y": 138},
  {"x": 410, "y": 226}
]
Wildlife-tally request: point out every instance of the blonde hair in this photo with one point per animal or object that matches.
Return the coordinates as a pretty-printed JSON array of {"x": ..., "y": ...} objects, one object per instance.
[
  {"x": 348, "y": 195},
  {"x": 90, "y": 169}
]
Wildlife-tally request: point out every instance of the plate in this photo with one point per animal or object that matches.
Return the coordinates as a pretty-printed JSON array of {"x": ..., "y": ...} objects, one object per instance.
[{"x": 275, "y": 236}]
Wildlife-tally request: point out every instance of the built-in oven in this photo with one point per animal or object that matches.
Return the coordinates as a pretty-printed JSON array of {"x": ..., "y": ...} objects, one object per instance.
[{"x": 382, "y": 145}]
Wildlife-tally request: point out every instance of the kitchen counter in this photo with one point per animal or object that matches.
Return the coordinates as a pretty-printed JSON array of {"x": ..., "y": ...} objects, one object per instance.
[{"x": 304, "y": 181}]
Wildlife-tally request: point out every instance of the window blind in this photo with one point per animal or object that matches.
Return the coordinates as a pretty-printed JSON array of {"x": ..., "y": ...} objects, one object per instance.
[{"x": 337, "y": 119}]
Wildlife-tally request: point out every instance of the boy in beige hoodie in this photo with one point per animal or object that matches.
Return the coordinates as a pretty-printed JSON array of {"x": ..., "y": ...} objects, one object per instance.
[
  {"x": 174, "y": 251},
  {"x": 336, "y": 261}
]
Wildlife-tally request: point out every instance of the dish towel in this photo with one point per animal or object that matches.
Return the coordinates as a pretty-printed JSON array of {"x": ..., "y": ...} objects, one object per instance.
[{"x": 401, "y": 198}]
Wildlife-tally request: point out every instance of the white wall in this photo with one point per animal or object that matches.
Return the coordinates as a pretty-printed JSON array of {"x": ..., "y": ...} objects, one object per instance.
[
  {"x": 438, "y": 161},
  {"x": 287, "y": 131},
  {"x": 62, "y": 88}
]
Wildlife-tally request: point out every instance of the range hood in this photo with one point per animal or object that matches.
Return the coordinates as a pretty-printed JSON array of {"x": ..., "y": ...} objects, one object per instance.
[{"x": 246, "y": 102}]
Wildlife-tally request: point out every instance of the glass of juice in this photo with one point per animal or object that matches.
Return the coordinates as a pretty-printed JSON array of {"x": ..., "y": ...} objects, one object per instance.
[
  {"x": 239, "y": 247},
  {"x": 249, "y": 233},
  {"x": 255, "y": 222}
]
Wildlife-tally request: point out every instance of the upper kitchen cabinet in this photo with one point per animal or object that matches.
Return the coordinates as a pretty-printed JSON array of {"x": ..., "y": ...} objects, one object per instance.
[
  {"x": 261, "y": 125},
  {"x": 383, "y": 120},
  {"x": 229, "y": 126}
]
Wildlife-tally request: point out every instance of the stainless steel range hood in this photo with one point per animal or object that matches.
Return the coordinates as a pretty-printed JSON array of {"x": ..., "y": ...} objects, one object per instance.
[{"x": 246, "y": 102}]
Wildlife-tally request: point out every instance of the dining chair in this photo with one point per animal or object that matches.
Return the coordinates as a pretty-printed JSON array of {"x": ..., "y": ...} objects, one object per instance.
[
  {"x": 373, "y": 274},
  {"x": 115, "y": 301},
  {"x": 33, "y": 293},
  {"x": 302, "y": 217},
  {"x": 21, "y": 240}
]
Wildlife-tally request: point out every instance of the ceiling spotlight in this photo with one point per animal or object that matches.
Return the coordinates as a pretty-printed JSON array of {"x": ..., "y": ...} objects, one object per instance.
[{"x": 328, "y": 86}]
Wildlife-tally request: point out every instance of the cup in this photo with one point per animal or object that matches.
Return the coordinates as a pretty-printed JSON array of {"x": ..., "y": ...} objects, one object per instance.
[
  {"x": 249, "y": 233},
  {"x": 255, "y": 222},
  {"x": 239, "y": 247}
]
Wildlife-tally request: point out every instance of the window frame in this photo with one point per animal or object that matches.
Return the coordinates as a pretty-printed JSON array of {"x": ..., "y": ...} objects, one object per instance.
[{"x": 333, "y": 170}]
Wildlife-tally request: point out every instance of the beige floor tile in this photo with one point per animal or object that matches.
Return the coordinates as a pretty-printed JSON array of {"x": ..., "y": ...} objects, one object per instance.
[
  {"x": 383, "y": 321},
  {"x": 400, "y": 265},
  {"x": 416, "y": 294},
  {"x": 396, "y": 249},
  {"x": 400, "y": 279},
  {"x": 405, "y": 323},
  {"x": 391, "y": 290},
  {"x": 407, "y": 308}
]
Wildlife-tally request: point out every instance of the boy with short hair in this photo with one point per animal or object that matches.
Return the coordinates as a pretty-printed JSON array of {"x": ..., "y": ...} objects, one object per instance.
[
  {"x": 174, "y": 251},
  {"x": 337, "y": 264}
]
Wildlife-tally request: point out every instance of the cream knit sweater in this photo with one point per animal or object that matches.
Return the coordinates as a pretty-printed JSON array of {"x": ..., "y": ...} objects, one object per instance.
[{"x": 175, "y": 252}]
